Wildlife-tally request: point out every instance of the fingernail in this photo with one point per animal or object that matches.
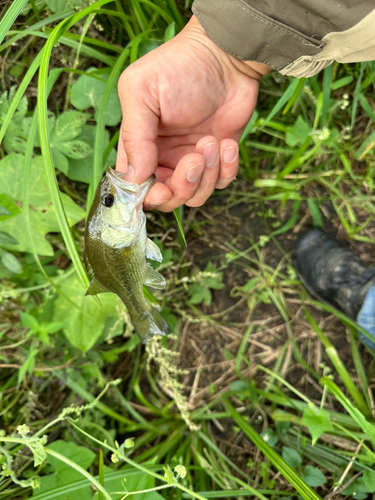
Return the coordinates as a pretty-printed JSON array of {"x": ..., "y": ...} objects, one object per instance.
[
  {"x": 157, "y": 203},
  {"x": 194, "y": 173},
  {"x": 129, "y": 174},
  {"x": 229, "y": 154},
  {"x": 211, "y": 154}
]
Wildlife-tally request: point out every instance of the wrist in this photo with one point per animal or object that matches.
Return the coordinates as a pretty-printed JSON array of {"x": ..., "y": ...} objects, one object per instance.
[
  {"x": 260, "y": 68},
  {"x": 253, "y": 69}
]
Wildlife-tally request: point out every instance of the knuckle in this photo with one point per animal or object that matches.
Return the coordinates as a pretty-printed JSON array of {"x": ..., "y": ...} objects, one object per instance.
[
  {"x": 128, "y": 80},
  {"x": 129, "y": 73},
  {"x": 123, "y": 81}
]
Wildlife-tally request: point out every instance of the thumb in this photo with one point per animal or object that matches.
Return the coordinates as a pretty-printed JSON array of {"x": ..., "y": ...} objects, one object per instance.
[{"x": 137, "y": 151}]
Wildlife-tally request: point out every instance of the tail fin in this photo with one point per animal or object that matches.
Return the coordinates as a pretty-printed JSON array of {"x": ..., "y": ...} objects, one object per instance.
[{"x": 150, "y": 323}]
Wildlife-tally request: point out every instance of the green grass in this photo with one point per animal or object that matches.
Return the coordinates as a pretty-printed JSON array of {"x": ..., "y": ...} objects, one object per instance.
[{"x": 262, "y": 392}]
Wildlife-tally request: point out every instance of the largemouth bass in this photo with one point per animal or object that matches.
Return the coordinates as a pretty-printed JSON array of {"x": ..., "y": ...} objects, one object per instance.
[{"x": 116, "y": 247}]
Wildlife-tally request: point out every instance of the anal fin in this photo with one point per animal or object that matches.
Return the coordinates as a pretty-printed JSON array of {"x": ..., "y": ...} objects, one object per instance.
[
  {"x": 155, "y": 279},
  {"x": 96, "y": 287}
]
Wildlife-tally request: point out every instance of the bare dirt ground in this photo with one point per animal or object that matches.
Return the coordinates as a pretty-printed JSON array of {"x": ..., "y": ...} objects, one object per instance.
[{"x": 208, "y": 348}]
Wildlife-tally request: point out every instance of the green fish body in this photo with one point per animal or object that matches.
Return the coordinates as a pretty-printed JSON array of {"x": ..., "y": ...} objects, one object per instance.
[{"x": 116, "y": 248}]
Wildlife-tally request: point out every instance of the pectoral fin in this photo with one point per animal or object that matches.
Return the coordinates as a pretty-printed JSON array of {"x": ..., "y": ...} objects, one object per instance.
[
  {"x": 155, "y": 279},
  {"x": 95, "y": 288},
  {"x": 153, "y": 251}
]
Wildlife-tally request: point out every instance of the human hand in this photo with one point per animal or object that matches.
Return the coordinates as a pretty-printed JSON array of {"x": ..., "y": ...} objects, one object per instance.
[{"x": 185, "y": 106}]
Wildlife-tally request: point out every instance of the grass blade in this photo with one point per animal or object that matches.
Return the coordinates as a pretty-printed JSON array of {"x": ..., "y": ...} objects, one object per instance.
[
  {"x": 357, "y": 91},
  {"x": 240, "y": 493},
  {"x": 250, "y": 126},
  {"x": 93, "y": 41},
  {"x": 211, "y": 445},
  {"x": 327, "y": 80},
  {"x": 78, "y": 468},
  {"x": 26, "y": 177},
  {"x": 47, "y": 156},
  {"x": 297, "y": 91},
  {"x": 269, "y": 148},
  {"x": 10, "y": 16},
  {"x": 139, "y": 467},
  {"x": 101, "y": 474},
  {"x": 347, "y": 321},
  {"x": 339, "y": 366},
  {"x": 35, "y": 27},
  {"x": 296, "y": 160},
  {"x": 19, "y": 94},
  {"x": 357, "y": 416},
  {"x": 293, "y": 219},
  {"x": 85, "y": 28},
  {"x": 178, "y": 213},
  {"x": 112, "y": 143},
  {"x": 178, "y": 18},
  {"x": 366, "y": 146},
  {"x": 45, "y": 138},
  {"x": 76, "y": 486},
  {"x": 314, "y": 210},
  {"x": 346, "y": 80},
  {"x": 359, "y": 366},
  {"x": 70, "y": 41},
  {"x": 87, "y": 396},
  {"x": 100, "y": 125},
  {"x": 280, "y": 103},
  {"x": 299, "y": 484},
  {"x": 159, "y": 10},
  {"x": 366, "y": 107}
]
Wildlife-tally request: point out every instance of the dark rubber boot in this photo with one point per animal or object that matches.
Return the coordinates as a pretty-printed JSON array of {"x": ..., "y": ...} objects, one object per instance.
[{"x": 331, "y": 272}]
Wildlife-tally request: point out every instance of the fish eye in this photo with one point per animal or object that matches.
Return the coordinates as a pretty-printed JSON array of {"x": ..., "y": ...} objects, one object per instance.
[{"x": 108, "y": 200}]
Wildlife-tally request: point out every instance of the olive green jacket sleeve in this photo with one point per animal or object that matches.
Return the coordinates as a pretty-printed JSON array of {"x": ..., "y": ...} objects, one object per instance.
[{"x": 294, "y": 37}]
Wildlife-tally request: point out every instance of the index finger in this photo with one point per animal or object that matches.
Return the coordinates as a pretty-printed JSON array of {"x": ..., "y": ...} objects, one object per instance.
[{"x": 139, "y": 128}]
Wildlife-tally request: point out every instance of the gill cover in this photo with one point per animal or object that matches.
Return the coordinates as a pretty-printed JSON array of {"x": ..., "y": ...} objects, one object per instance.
[{"x": 124, "y": 217}]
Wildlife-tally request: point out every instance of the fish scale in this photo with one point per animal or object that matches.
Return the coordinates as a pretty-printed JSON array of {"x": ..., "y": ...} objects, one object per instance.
[{"x": 116, "y": 247}]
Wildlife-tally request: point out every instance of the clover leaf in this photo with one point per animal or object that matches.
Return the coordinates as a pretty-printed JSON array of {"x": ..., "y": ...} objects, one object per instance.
[
  {"x": 84, "y": 318},
  {"x": 41, "y": 211},
  {"x": 15, "y": 138},
  {"x": 61, "y": 5},
  {"x": 82, "y": 170},
  {"x": 65, "y": 140},
  {"x": 88, "y": 92}
]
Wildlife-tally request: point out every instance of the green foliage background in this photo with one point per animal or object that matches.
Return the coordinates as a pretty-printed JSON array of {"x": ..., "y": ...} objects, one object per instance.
[{"x": 308, "y": 151}]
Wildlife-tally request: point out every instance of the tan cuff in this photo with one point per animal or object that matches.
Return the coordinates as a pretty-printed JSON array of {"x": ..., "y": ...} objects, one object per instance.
[
  {"x": 249, "y": 35},
  {"x": 353, "y": 45}
]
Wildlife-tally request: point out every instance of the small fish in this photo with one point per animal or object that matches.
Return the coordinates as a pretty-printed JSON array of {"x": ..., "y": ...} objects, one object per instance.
[{"x": 116, "y": 248}]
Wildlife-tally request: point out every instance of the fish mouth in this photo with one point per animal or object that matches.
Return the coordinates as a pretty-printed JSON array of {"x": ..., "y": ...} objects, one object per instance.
[{"x": 118, "y": 180}]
